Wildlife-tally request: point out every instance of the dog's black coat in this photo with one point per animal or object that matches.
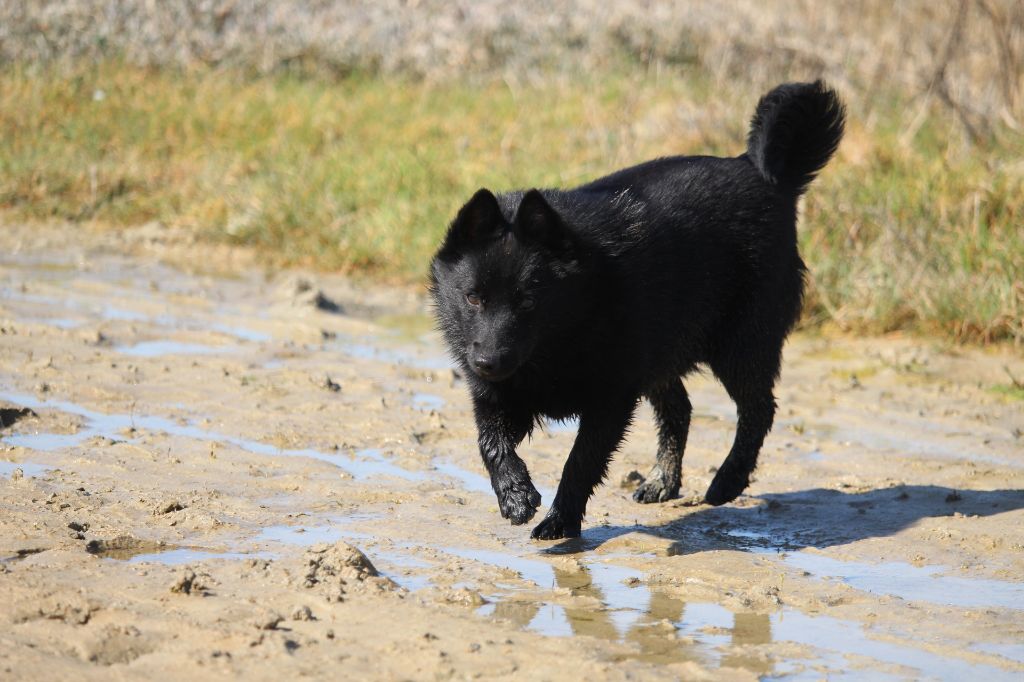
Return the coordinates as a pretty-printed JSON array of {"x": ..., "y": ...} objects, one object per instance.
[{"x": 561, "y": 303}]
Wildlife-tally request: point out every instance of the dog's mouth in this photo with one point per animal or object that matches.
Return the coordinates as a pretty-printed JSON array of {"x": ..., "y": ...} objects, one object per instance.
[{"x": 493, "y": 375}]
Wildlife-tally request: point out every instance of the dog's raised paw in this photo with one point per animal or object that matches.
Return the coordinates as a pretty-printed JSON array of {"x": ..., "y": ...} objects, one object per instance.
[{"x": 519, "y": 502}]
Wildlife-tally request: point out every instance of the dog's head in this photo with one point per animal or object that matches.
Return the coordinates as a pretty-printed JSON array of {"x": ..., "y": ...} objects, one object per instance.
[{"x": 501, "y": 285}]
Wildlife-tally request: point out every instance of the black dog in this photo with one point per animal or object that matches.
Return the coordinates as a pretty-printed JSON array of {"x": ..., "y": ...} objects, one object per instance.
[{"x": 562, "y": 303}]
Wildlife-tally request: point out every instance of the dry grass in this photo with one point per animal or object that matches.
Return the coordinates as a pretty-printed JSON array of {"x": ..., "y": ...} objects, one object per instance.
[
  {"x": 335, "y": 135},
  {"x": 966, "y": 54}
]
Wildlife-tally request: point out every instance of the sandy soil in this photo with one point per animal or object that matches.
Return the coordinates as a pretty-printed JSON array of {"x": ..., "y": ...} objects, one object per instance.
[{"x": 190, "y": 456}]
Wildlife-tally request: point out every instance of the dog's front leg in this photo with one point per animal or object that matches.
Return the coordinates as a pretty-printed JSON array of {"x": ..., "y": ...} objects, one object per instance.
[
  {"x": 500, "y": 431},
  {"x": 601, "y": 430}
]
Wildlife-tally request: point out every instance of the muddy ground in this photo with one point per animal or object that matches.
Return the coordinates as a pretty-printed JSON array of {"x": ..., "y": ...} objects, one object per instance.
[{"x": 191, "y": 451}]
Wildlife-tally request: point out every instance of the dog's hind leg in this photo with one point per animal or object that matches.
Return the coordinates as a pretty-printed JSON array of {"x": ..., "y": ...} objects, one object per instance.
[
  {"x": 672, "y": 410},
  {"x": 749, "y": 382},
  {"x": 601, "y": 431}
]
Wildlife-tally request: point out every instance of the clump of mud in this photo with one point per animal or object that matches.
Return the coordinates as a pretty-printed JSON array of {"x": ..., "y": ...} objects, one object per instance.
[
  {"x": 187, "y": 581},
  {"x": 71, "y": 608},
  {"x": 303, "y": 293},
  {"x": 11, "y": 414},
  {"x": 124, "y": 547},
  {"x": 462, "y": 596},
  {"x": 341, "y": 570},
  {"x": 114, "y": 644}
]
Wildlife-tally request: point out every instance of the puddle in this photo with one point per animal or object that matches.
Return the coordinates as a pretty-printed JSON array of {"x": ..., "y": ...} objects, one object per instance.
[
  {"x": 427, "y": 401},
  {"x": 814, "y": 456},
  {"x": 470, "y": 481},
  {"x": 372, "y": 462},
  {"x": 59, "y": 322},
  {"x": 610, "y": 584},
  {"x": 184, "y": 555},
  {"x": 478, "y": 483},
  {"x": 617, "y": 606},
  {"x": 540, "y": 573},
  {"x": 913, "y": 583},
  {"x": 96, "y": 424},
  {"x": 396, "y": 566},
  {"x": 395, "y": 356},
  {"x": 28, "y": 469},
  {"x": 1013, "y": 652},
  {"x": 632, "y": 614},
  {"x": 109, "y": 312},
  {"x": 154, "y": 349},
  {"x": 622, "y": 606},
  {"x": 192, "y": 324},
  {"x": 616, "y": 588},
  {"x": 126, "y": 548},
  {"x": 667, "y": 629},
  {"x": 366, "y": 463},
  {"x": 104, "y": 311},
  {"x": 134, "y": 551},
  {"x": 401, "y": 566},
  {"x": 242, "y": 333},
  {"x": 896, "y": 579},
  {"x": 709, "y": 633},
  {"x": 303, "y": 536},
  {"x": 844, "y": 638}
]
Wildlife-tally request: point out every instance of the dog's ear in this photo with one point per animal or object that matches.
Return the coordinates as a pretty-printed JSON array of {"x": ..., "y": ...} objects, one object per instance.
[
  {"x": 477, "y": 220},
  {"x": 537, "y": 222}
]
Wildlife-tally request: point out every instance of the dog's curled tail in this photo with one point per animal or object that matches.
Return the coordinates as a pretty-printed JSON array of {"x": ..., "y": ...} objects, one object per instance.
[{"x": 795, "y": 130}]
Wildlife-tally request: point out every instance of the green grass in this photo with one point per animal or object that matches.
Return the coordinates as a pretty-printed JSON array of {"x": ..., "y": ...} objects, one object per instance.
[
  {"x": 1008, "y": 391},
  {"x": 361, "y": 175}
]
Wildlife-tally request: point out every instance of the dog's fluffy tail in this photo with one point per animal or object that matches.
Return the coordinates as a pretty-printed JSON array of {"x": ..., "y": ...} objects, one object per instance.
[{"x": 795, "y": 130}]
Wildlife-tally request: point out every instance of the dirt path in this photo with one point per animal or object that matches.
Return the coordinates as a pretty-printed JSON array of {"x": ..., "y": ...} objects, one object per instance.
[{"x": 181, "y": 452}]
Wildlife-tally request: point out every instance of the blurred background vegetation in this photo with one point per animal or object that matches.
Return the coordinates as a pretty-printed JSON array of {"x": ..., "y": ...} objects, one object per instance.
[{"x": 344, "y": 134}]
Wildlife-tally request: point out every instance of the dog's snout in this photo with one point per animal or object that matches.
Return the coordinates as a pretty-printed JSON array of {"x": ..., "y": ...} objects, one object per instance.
[
  {"x": 491, "y": 365},
  {"x": 484, "y": 364}
]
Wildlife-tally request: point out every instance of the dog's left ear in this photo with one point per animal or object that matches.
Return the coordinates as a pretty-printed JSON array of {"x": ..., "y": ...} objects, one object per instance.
[
  {"x": 537, "y": 222},
  {"x": 478, "y": 220}
]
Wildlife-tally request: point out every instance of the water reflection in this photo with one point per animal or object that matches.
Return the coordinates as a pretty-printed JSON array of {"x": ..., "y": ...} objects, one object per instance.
[
  {"x": 584, "y": 620},
  {"x": 752, "y": 629},
  {"x": 663, "y": 627}
]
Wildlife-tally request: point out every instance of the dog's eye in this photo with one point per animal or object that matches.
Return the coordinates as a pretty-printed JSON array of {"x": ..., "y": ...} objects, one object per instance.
[
  {"x": 527, "y": 303},
  {"x": 472, "y": 299}
]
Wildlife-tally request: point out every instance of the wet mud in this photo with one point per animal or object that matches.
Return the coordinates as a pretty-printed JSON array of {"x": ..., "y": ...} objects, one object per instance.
[{"x": 180, "y": 451}]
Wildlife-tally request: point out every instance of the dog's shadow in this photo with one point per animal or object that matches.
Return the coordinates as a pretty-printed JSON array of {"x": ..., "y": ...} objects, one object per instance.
[{"x": 815, "y": 518}]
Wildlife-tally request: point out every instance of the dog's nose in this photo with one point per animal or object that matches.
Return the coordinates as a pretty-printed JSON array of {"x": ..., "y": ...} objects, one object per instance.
[{"x": 483, "y": 364}]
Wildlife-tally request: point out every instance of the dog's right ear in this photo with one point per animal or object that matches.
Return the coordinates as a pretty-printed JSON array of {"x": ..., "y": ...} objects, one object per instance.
[{"x": 478, "y": 220}]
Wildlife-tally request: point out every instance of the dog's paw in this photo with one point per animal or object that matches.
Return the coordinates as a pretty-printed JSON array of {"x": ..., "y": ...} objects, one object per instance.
[
  {"x": 554, "y": 527},
  {"x": 655, "y": 489},
  {"x": 726, "y": 486},
  {"x": 518, "y": 501}
]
